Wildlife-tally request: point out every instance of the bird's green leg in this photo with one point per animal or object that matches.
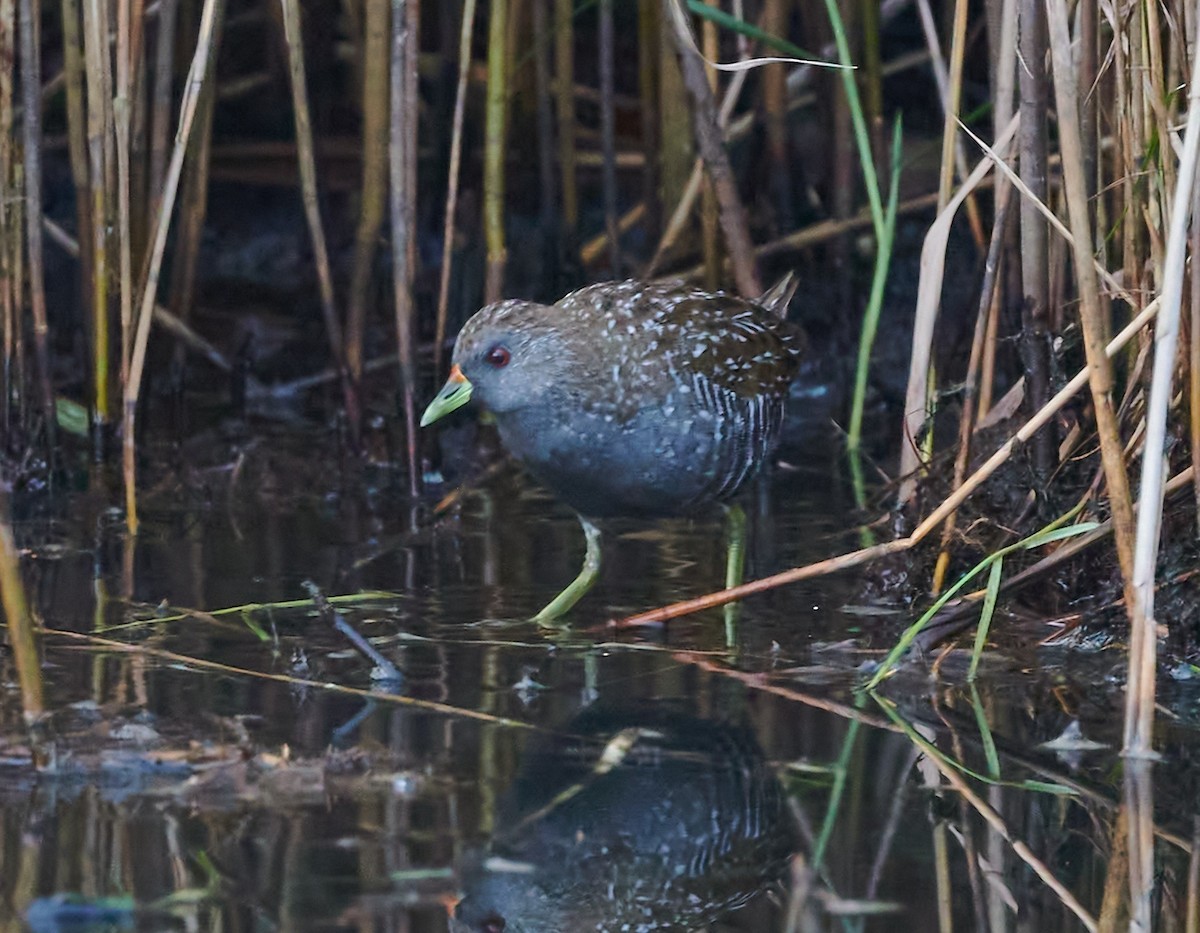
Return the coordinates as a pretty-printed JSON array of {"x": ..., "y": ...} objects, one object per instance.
[
  {"x": 735, "y": 565},
  {"x": 562, "y": 603}
]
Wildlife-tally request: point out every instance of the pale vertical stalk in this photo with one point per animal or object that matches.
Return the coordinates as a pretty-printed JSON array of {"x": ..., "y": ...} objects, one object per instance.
[
  {"x": 402, "y": 201},
  {"x": 495, "y": 147},
  {"x": 1139, "y": 699},
  {"x": 448, "y": 223},
  {"x": 1100, "y": 376},
  {"x": 294, "y": 42},
  {"x": 149, "y": 287},
  {"x": 31, "y": 98}
]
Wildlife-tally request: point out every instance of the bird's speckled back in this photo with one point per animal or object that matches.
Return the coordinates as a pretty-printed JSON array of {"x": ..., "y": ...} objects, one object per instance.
[{"x": 633, "y": 397}]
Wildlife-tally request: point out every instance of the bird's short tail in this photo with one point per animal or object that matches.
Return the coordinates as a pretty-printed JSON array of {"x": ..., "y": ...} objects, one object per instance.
[{"x": 777, "y": 298}]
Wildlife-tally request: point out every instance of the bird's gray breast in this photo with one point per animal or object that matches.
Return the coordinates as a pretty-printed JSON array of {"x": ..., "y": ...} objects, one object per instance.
[{"x": 668, "y": 456}]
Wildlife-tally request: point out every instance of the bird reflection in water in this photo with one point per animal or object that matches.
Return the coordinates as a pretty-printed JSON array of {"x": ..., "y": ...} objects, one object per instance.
[{"x": 641, "y": 820}]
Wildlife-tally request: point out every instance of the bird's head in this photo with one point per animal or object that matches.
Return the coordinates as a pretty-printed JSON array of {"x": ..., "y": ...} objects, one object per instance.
[{"x": 508, "y": 355}]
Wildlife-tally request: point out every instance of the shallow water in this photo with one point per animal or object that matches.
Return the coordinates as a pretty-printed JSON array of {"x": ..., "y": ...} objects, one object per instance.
[{"x": 702, "y": 776}]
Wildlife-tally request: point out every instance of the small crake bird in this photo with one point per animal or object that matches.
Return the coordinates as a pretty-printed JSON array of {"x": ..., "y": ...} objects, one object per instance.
[{"x": 632, "y": 398}]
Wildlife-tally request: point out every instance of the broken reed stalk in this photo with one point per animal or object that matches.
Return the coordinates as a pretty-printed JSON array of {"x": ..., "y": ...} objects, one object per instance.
[
  {"x": 403, "y": 195},
  {"x": 712, "y": 149},
  {"x": 1139, "y": 707},
  {"x": 19, "y": 618},
  {"x": 449, "y": 221},
  {"x": 306, "y": 160},
  {"x": 149, "y": 287},
  {"x": 373, "y": 195},
  {"x": 1100, "y": 377},
  {"x": 932, "y": 521},
  {"x": 495, "y": 138},
  {"x": 929, "y": 291},
  {"x": 31, "y": 98},
  {"x": 608, "y": 144}
]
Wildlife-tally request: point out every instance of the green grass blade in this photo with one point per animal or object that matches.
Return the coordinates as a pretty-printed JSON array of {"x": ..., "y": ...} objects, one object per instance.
[
  {"x": 985, "y": 735},
  {"x": 985, "y": 616}
]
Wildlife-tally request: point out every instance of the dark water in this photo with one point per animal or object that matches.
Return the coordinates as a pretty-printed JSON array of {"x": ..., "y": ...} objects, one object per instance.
[{"x": 712, "y": 775}]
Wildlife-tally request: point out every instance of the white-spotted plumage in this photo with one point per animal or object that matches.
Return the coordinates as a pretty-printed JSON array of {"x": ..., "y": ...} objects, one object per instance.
[{"x": 631, "y": 397}]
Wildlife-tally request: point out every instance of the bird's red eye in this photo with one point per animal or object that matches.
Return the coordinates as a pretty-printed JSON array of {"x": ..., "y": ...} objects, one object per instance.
[{"x": 498, "y": 356}]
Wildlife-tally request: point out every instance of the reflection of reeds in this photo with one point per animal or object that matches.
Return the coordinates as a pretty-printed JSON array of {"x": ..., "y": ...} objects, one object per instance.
[{"x": 18, "y": 618}]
